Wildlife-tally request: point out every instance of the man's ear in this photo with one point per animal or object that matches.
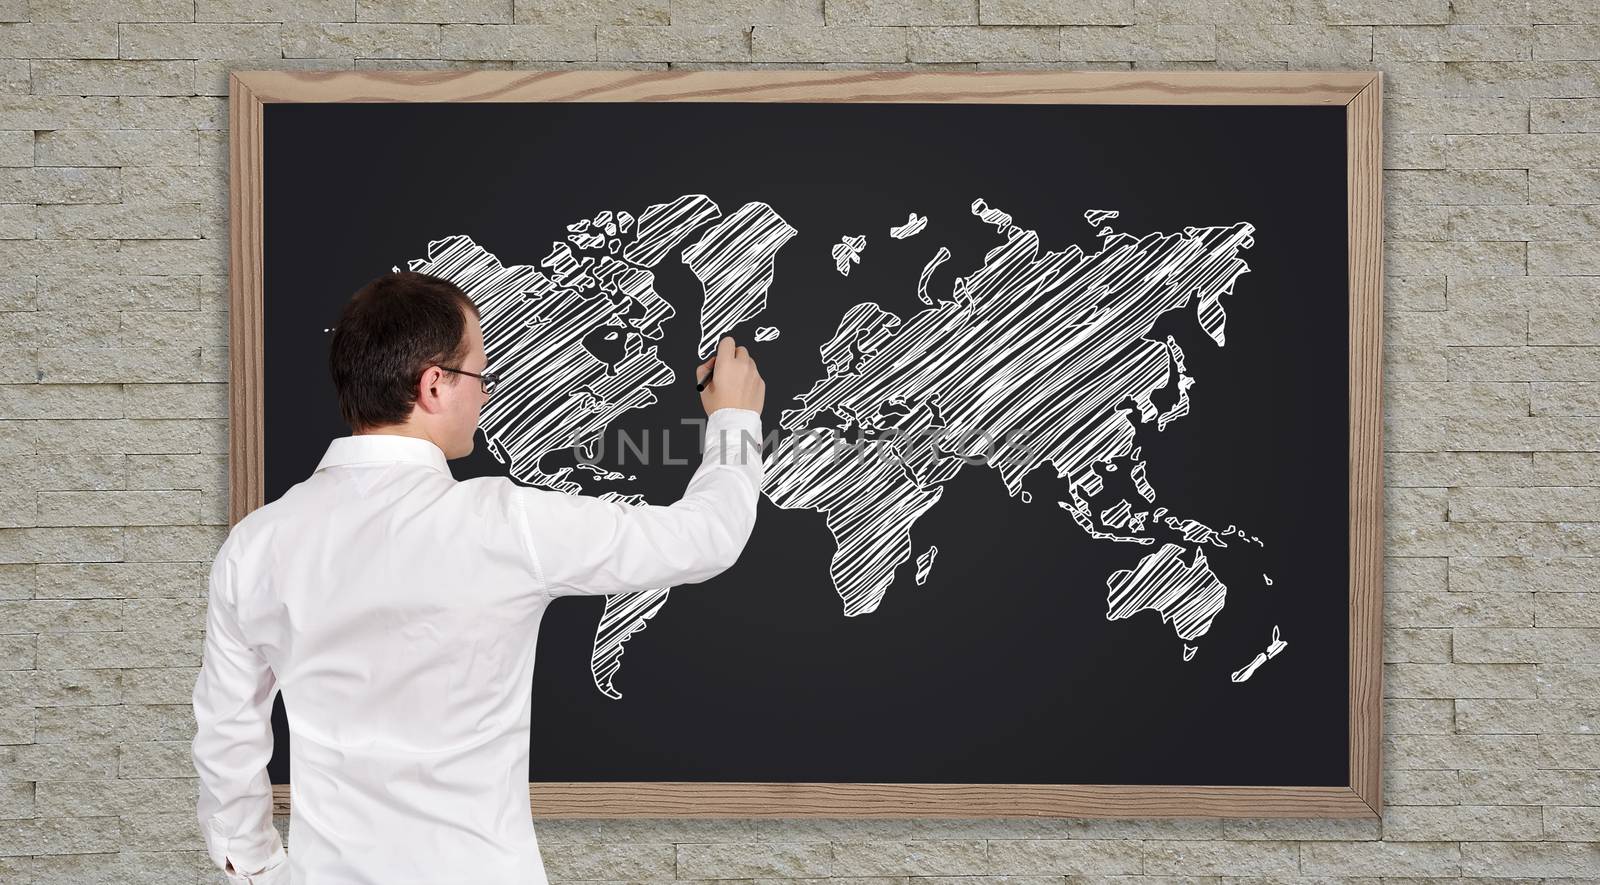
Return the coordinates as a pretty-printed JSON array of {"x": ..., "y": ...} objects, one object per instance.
[{"x": 432, "y": 377}]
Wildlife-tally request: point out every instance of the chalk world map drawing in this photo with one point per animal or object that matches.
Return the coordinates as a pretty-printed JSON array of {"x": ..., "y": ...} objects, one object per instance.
[{"x": 1059, "y": 339}]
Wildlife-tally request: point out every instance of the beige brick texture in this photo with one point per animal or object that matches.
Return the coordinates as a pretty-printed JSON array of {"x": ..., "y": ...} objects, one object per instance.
[{"x": 113, "y": 415}]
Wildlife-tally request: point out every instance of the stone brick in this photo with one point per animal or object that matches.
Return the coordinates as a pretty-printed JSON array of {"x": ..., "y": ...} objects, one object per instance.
[
  {"x": 1459, "y": 823},
  {"x": 1472, "y": 258},
  {"x": 1414, "y": 293},
  {"x": 1524, "y": 505},
  {"x": 1053, "y": 12},
  {"x": 274, "y": 10},
  {"x": 1523, "y": 13},
  {"x": 609, "y": 861},
  {"x": 1459, "y": 680},
  {"x": 1304, "y": 45},
  {"x": 1386, "y": 858},
  {"x": 1576, "y": 258},
  {"x": 689, "y": 12},
  {"x": 59, "y": 400},
  {"x": 1148, "y": 42},
  {"x": 117, "y": 580},
  {"x": 1387, "y": 12},
  {"x": 120, "y": 221},
  {"x": 1489, "y": 79},
  {"x": 16, "y": 801},
  {"x": 1541, "y": 716},
  {"x": 80, "y": 762},
  {"x": 176, "y": 831},
  {"x": 516, "y": 42},
  {"x": 129, "y": 796},
  {"x": 1254, "y": 858},
  {"x": 1458, "y": 397},
  {"x": 1459, "y": 186},
  {"x": 118, "y": 650},
  {"x": 906, "y": 12},
  {"x": 1410, "y": 786},
  {"x": 1560, "y": 41},
  {"x": 985, "y": 43},
  {"x": 813, "y": 44},
  {"x": 1576, "y": 859},
  {"x": 718, "y": 42},
  {"x": 112, "y": 77},
  {"x": 63, "y": 185},
  {"x": 1564, "y": 115},
  {"x": 1563, "y": 186},
  {"x": 59, "y": 835},
  {"x": 164, "y": 614},
  {"x": 1572, "y": 824},
  {"x": 113, "y": 11},
  {"x": 1567, "y": 609},
  {"x": 58, "y": 615},
  {"x": 197, "y": 543},
  {"x": 1574, "y": 325},
  {"x": 1567, "y": 468},
  {"x": 1064, "y": 857},
  {"x": 430, "y": 11},
  {"x": 193, "y": 41},
  {"x": 1416, "y": 645},
  {"x": 1452, "y": 43},
  {"x": 159, "y": 685},
  {"x": 1568, "y": 680},
  {"x": 1418, "y": 716},
  {"x": 1539, "y": 150},
  {"x": 60, "y": 544},
  {"x": 54, "y": 688},
  {"x": 206, "y": 473},
  {"x": 1414, "y": 505},
  {"x": 1402, "y": 151},
  {"x": 1457, "y": 115},
  {"x": 359, "y": 40},
  {"x": 58, "y": 39},
  {"x": 1524, "y": 786}
]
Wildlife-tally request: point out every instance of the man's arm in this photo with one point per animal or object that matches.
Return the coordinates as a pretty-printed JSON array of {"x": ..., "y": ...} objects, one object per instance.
[
  {"x": 233, "y": 741},
  {"x": 587, "y": 545}
]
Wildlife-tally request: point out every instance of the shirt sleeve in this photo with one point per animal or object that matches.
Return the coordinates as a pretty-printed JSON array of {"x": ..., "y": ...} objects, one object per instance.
[
  {"x": 233, "y": 740},
  {"x": 587, "y": 545}
]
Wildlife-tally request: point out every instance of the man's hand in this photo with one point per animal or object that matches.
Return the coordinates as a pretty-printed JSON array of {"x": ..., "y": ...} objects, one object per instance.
[{"x": 736, "y": 383}]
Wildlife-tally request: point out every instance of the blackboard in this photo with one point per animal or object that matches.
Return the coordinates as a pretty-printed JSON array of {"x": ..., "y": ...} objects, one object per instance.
[{"x": 1182, "y": 620}]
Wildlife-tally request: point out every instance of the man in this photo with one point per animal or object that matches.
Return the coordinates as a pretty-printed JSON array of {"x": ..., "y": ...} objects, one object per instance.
[{"x": 397, "y": 609}]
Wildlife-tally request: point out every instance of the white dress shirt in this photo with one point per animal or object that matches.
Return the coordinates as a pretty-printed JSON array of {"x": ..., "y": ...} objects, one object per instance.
[{"x": 398, "y": 611}]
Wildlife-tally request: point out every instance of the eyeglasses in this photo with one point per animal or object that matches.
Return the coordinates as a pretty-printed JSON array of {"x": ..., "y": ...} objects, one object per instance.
[{"x": 487, "y": 380}]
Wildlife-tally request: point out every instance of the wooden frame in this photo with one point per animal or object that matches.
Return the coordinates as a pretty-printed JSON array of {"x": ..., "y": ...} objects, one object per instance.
[{"x": 1358, "y": 91}]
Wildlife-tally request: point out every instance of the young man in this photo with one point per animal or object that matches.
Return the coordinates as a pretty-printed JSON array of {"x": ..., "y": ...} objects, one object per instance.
[{"x": 397, "y": 609}]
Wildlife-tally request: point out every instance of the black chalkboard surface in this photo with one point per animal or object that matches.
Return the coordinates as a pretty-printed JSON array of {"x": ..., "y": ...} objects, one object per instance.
[{"x": 1154, "y": 295}]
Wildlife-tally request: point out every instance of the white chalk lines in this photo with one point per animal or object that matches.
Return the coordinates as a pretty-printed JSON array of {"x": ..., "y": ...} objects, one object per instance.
[
  {"x": 1261, "y": 657},
  {"x": 913, "y": 226},
  {"x": 848, "y": 251},
  {"x": 1056, "y": 342},
  {"x": 734, "y": 262},
  {"x": 1065, "y": 375},
  {"x": 574, "y": 338}
]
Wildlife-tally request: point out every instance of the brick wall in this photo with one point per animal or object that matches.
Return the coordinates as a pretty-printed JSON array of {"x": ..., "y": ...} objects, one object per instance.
[{"x": 113, "y": 432}]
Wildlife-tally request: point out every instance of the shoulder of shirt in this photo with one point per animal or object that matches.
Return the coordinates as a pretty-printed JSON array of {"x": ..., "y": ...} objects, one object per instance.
[{"x": 259, "y": 522}]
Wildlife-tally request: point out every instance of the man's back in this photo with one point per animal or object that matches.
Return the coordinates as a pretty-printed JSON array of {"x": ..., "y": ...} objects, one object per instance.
[{"x": 398, "y": 611}]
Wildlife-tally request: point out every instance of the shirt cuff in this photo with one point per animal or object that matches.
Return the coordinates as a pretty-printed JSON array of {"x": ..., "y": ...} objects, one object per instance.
[
  {"x": 276, "y": 871},
  {"x": 733, "y": 439}
]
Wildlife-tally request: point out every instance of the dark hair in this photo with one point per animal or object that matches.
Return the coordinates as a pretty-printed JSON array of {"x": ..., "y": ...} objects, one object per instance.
[{"x": 390, "y": 331}]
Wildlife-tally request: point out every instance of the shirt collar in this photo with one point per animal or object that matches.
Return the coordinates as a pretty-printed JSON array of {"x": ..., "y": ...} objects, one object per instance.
[{"x": 380, "y": 447}]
